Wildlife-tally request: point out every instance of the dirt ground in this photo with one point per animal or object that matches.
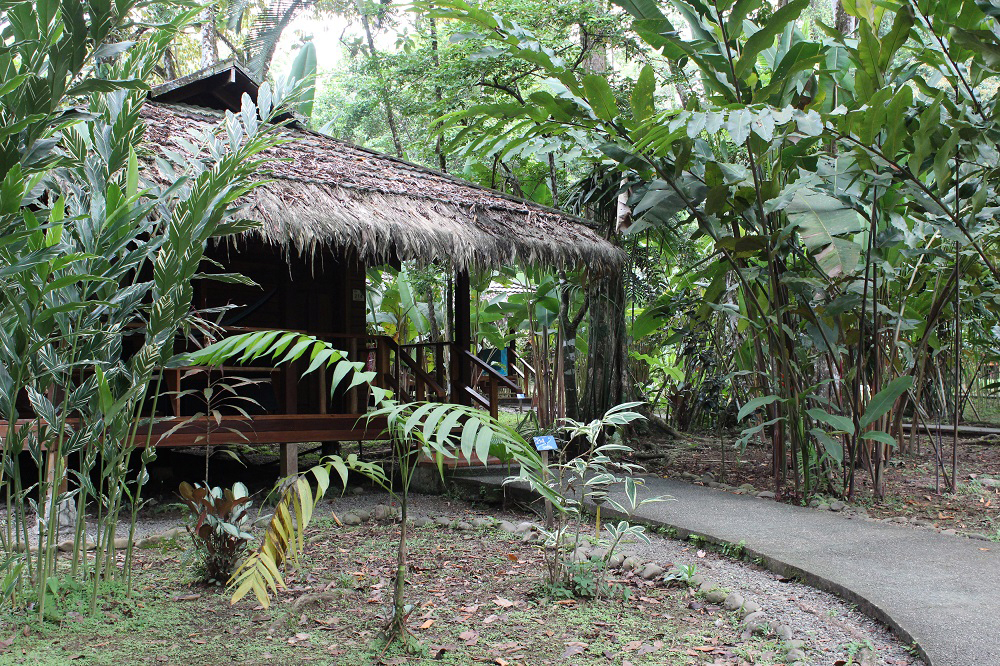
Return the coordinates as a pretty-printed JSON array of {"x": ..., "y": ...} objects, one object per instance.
[
  {"x": 912, "y": 491},
  {"x": 476, "y": 599}
]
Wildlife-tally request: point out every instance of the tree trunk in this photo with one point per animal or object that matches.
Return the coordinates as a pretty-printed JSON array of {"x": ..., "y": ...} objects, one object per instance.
[
  {"x": 169, "y": 64},
  {"x": 606, "y": 384},
  {"x": 842, "y": 21},
  {"x": 439, "y": 142},
  {"x": 209, "y": 38},
  {"x": 569, "y": 326},
  {"x": 432, "y": 319},
  {"x": 390, "y": 117}
]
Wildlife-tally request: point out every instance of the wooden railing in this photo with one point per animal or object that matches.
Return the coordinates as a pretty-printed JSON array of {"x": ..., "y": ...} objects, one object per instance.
[
  {"x": 410, "y": 378},
  {"x": 494, "y": 380},
  {"x": 411, "y": 371},
  {"x": 523, "y": 370}
]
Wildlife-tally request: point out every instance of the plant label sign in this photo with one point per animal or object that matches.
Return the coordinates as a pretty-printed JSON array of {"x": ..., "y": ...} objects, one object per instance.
[{"x": 546, "y": 443}]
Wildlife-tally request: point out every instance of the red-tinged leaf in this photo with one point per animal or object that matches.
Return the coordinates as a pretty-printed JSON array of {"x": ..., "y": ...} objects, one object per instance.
[
  {"x": 512, "y": 557},
  {"x": 427, "y": 624}
]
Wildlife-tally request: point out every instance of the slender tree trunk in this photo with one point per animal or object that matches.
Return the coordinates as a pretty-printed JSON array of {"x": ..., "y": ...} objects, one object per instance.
[
  {"x": 431, "y": 313},
  {"x": 439, "y": 142},
  {"x": 606, "y": 383},
  {"x": 677, "y": 75},
  {"x": 842, "y": 21},
  {"x": 169, "y": 64},
  {"x": 553, "y": 181},
  {"x": 390, "y": 117},
  {"x": 397, "y": 625},
  {"x": 570, "y": 326},
  {"x": 209, "y": 38}
]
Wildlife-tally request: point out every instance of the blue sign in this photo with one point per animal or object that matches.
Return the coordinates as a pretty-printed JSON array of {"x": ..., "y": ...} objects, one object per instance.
[{"x": 546, "y": 443}]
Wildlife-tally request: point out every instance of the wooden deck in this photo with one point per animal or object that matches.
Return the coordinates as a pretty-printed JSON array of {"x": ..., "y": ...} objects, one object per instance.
[{"x": 266, "y": 429}]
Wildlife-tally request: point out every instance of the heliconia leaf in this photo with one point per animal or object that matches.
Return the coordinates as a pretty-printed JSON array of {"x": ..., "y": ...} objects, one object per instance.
[
  {"x": 879, "y": 436},
  {"x": 642, "y": 94},
  {"x": 821, "y": 220},
  {"x": 835, "y": 421},
  {"x": 833, "y": 447},
  {"x": 600, "y": 96},
  {"x": 883, "y": 401},
  {"x": 764, "y": 38},
  {"x": 751, "y": 405}
]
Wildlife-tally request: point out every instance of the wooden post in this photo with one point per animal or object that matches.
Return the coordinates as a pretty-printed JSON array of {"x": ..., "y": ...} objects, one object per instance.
[
  {"x": 353, "y": 401},
  {"x": 494, "y": 398},
  {"x": 461, "y": 371},
  {"x": 382, "y": 364},
  {"x": 545, "y": 479},
  {"x": 289, "y": 457}
]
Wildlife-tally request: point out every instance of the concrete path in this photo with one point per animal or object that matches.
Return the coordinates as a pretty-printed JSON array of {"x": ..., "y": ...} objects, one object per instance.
[{"x": 937, "y": 591}]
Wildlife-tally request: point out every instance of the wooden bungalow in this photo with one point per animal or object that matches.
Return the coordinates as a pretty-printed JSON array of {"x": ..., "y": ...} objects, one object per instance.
[{"x": 331, "y": 209}]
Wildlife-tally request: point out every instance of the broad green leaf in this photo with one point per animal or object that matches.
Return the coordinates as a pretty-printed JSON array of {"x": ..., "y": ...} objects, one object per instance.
[
  {"x": 879, "y": 436},
  {"x": 600, "y": 96},
  {"x": 835, "y": 421},
  {"x": 885, "y": 399},
  {"x": 752, "y": 405},
  {"x": 764, "y": 38},
  {"x": 820, "y": 219},
  {"x": 833, "y": 447},
  {"x": 642, "y": 94}
]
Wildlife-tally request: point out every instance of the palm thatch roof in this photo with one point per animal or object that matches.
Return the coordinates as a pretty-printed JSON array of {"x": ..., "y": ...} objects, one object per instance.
[{"x": 327, "y": 193}]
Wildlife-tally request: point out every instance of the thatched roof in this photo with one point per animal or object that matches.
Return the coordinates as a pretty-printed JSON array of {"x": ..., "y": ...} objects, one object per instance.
[{"x": 330, "y": 193}]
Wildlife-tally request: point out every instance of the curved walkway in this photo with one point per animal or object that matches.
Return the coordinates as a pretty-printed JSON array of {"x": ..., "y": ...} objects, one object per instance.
[{"x": 940, "y": 592}]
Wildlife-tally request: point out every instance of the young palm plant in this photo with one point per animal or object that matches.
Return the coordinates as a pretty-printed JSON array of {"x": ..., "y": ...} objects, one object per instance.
[{"x": 419, "y": 432}]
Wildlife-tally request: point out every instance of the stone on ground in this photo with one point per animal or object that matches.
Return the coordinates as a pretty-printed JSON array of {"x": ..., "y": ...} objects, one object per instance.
[
  {"x": 631, "y": 563},
  {"x": 524, "y": 527},
  {"x": 443, "y": 521},
  {"x": 651, "y": 571},
  {"x": 350, "y": 519},
  {"x": 733, "y": 602}
]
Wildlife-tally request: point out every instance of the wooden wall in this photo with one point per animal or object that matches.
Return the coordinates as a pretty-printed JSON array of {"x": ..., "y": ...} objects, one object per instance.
[{"x": 322, "y": 295}]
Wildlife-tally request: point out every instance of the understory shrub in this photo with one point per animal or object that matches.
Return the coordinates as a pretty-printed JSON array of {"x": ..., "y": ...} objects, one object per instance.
[{"x": 219, "y": 524}]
